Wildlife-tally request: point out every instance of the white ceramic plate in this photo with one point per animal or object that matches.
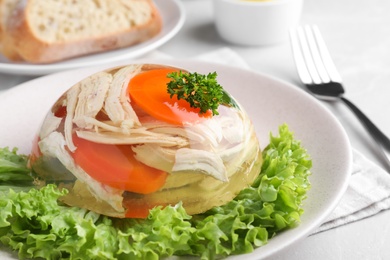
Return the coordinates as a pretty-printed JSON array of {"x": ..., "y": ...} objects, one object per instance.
[
  {"x": 173, "y": 15},
  {"x": 268, "y": 101}
]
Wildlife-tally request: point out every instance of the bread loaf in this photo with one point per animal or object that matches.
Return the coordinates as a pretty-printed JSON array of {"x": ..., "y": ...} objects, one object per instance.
[
  {"x": 44, "y": 31},
  {"x": 6, "y": 48}
]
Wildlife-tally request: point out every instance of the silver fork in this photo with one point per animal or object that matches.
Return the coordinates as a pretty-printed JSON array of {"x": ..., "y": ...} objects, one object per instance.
[{"x": 318, "y": 72}]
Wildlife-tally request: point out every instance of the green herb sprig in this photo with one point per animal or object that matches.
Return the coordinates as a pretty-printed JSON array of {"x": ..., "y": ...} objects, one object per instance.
[{"x": 200, "y": 91}]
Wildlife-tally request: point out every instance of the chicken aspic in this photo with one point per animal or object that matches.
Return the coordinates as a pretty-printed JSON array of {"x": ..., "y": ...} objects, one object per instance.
[{"x": 121, "y": 145}]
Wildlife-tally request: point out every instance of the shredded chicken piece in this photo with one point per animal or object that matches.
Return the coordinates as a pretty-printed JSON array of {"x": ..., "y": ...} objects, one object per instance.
[
  {"x": 102, "y": 125},
  {"x": 149, "y": 154},
  {"x": 115, "y": 138},
  {"x": 71, "y": 102},
  {"x": 232, "y": 132},
  {"x": 49, "y": 125},
  {"x": 210, "y": 130},
  {"x": 178, "y": 131},
  {"x": 93, "y": 92},
  {"x": 117, "y": 103},
  {"x": 199, "y": 160}
]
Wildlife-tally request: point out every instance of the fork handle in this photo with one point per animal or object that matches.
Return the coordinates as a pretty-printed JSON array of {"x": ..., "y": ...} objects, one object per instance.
[{"x": 381, "y": 139}]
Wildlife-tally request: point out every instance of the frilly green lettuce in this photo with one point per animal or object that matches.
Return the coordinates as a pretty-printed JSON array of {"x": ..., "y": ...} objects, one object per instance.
[
  {"x": 13, "y": 171},
  {"x": 34, "y": 224}
]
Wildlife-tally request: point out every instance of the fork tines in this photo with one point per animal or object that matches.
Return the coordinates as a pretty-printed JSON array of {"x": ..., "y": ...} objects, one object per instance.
[{"x": 312, "y": 58}]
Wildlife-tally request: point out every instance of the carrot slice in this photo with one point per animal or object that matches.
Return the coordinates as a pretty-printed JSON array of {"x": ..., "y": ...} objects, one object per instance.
[
  {"x": 137, "y": 208},
  {"x": 149, "y": 91},
  {"x": 115, "y": 166},
  {"x": 138, "y": 212},
  {"x": 35, "y": 152}
]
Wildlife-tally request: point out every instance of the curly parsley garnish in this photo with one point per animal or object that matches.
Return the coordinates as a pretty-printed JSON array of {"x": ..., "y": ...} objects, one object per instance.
[{"x": 200, "y": 91}]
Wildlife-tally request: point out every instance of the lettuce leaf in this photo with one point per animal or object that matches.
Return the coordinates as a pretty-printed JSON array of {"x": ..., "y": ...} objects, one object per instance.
[
  {"x": 35, "y": 224},
  {"x": 14, "y": 171}
]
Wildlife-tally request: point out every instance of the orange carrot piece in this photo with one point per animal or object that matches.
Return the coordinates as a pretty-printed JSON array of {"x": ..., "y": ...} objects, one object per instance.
[
  {"x": 115, "y": 166},
  {"x": 149, "y": 91}
]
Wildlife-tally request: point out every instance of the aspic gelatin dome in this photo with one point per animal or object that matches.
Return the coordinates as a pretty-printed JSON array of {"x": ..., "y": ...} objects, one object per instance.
[{"x": 121, "y": 145}]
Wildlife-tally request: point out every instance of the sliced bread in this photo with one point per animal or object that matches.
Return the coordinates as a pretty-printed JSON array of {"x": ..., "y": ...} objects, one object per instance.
[
  {"x": 44, "y": 31},
  {"x": 6, "y": 48}
]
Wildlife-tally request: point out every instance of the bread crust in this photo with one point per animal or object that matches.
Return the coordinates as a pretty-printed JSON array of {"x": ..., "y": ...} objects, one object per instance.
[
  {"x": 6, "y": 47},
  {"x": 35, "y": 50}
]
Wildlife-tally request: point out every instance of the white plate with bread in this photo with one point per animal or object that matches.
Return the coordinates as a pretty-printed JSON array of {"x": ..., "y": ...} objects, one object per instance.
[{"x": 36, "y": 42}]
